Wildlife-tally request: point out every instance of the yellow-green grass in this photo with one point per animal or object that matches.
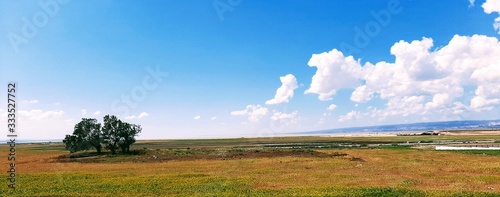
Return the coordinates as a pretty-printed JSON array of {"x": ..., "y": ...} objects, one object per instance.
[
  {"x": 385, "y": 172},
  {"x": 255, "y": 141}
]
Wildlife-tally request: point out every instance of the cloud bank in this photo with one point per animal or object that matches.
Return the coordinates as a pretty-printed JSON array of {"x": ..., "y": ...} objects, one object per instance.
[{"x": 420, "y": 81}]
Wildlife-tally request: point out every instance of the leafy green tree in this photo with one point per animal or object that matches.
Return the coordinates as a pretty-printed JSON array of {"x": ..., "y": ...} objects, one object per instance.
[
  {"x": 114, "y": 134},
  {"x": 127, "y": 133},
  {"x": 74, "y": 143},
  {"x": 86, "y": 134},
  {"x": 94, "y": 134},
  {"x": 110, "y": 129},
  {"x": 119, "y": 134}
]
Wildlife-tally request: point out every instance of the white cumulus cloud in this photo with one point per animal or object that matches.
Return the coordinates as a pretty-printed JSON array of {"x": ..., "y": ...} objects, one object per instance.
[
  {"x": 422, "y": 81},
  {"x": 29, "y": 101},
  {"x": 283, "y": 120},
  {"x": 334, "y": 72},
  {"x": 140, "y": 116},
  {"x": 471, "y": 3},
  {"x": 38, "y": 114},
  {"x": 491, "y": 6},
  {"x": 84, "y": 112},
  {"x": 361, "y": 94},
  {"x": 285, "y": 92},
  {"x": 332, "y": 107},
  {"x": 197, "y": 117},
  {"x": 283, "y": 116},
  {"x": 143, "y": 115},
  {"x": 254, "y": 112},
  {"x": 96, "y": 113},
  {"x": 349, "y": 116}
]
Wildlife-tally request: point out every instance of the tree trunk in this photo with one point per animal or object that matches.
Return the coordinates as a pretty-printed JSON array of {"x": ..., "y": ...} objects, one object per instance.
[
  {"x": 113, "y": 151},
  {"x": 98, "y": 149},
  {"x": 113, "y": 148}
]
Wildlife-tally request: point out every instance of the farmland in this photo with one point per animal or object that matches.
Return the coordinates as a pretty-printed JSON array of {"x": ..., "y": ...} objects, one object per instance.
[{"x": 318, "y": 166}]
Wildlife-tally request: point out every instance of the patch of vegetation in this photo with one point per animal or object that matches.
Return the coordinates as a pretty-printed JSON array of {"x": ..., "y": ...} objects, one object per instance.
[
  {"x": 395, "y": 147},
  {"x": 190, "y": 151},
  {"x": 300, "y": 149},
  {"x": 109, "y": 184},
  {"x": 114, "y": 134},
  {"x": 237, "y": 149},
  {"x": 409, "y": 182},
  {"x": 44, "y": 147}
]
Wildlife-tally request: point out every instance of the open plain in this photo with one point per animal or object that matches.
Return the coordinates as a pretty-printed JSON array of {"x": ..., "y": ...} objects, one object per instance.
[{"x": 284, "y": 166}]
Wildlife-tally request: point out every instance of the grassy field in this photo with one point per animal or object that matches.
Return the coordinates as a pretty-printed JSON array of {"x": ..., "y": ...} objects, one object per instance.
[{"x": 286, "y": 166}]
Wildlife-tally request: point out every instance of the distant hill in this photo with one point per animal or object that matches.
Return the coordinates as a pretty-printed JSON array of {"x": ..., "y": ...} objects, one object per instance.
[{"x": 423, "y": 126}]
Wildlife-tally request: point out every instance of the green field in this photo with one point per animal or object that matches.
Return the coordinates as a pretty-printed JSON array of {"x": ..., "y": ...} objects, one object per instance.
[{"x": 284, "y": 166}]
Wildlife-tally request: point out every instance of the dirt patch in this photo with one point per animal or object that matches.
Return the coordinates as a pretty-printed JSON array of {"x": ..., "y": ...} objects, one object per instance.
[
  {"x": 356, "y": 159},
  {"x": 176, "y": 155}
]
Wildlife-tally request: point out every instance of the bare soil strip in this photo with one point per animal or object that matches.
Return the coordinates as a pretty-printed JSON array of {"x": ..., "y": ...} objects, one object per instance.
[{"x": 165, "y": 155}]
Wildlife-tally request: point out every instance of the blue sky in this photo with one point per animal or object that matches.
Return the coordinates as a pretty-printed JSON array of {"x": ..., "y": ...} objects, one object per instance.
[{"x": 242, "y": 68}]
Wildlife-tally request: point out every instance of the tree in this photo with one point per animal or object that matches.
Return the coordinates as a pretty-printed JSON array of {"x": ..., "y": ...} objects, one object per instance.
[
  {"x": 127, "y": 133},
  {"x": 114, "y": 134},
  {"x": 94, "y": 135},
  {"x": 86, "y": 134},
  {"x": 110, "y": 130},
  {"x": 74, "y": 143}
]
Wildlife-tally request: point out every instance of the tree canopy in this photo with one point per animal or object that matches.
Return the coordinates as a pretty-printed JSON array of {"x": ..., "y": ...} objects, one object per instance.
[{"x": 114, "y": 134}]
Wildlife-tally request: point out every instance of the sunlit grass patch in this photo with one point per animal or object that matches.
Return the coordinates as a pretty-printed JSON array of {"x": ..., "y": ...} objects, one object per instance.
[{"x": 386, "y": 171}]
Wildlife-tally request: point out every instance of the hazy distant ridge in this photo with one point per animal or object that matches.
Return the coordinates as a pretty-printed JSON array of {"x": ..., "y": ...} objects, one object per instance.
[{"x": 424, "y": 126}]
